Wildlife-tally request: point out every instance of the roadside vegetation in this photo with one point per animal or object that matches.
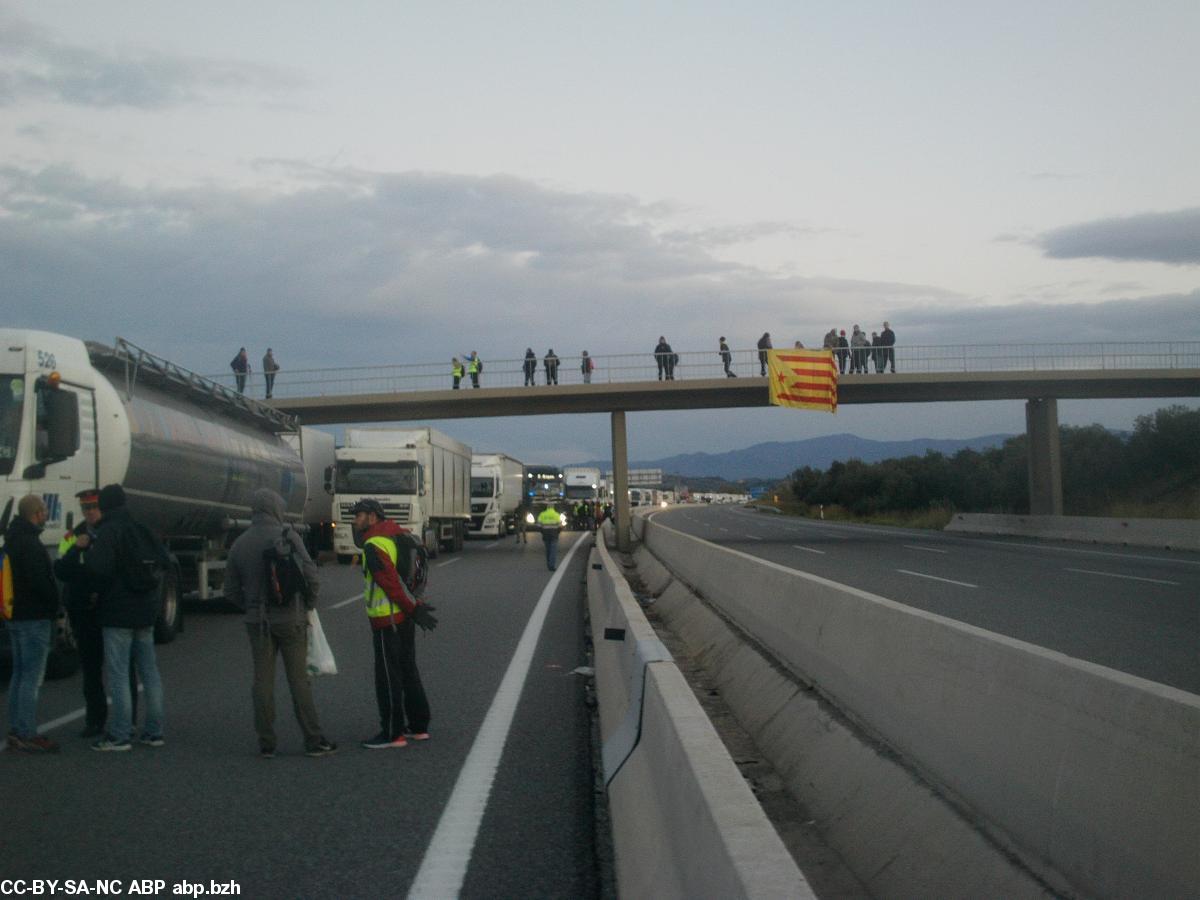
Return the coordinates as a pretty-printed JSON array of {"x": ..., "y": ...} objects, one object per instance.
[{"x": 1153, "y": 472}]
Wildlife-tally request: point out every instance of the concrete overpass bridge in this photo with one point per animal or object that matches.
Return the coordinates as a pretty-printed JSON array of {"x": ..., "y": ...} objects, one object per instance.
[{"x": 1039, "y": 374}]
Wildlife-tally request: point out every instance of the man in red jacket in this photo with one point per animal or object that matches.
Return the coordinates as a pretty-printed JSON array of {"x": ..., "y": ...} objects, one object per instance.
[{"x": 392, "y": 611}]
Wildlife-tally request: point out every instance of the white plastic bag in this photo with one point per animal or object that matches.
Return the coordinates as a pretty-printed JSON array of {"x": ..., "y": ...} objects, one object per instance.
[{"x": 320, "y": 656}]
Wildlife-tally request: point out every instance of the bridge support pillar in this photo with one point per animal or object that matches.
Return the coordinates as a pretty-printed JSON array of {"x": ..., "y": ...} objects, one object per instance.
[
  {"x": 620, "y": 487},
  {"x": 1045, "y": 457}
]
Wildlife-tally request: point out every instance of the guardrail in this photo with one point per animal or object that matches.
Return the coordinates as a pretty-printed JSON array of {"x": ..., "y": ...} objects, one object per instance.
[{"x": 692, "y": 365}]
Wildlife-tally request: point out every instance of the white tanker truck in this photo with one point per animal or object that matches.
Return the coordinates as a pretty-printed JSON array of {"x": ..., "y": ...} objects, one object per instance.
[{"x": 188, "y": 452}]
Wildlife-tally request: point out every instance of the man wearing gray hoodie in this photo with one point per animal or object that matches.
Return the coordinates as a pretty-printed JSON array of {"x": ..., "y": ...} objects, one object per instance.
[{"x": 275, "y": 629}]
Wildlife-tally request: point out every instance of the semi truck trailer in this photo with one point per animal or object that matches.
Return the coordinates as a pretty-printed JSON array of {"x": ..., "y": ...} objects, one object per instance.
[
  {"x": 496, "y": 481},
  {"x": 188, "y": 452},
  {"x": 421, "y": 477}
]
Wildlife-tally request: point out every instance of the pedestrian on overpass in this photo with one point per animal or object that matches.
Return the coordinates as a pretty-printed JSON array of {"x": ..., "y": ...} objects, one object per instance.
[
  {"x": 550, "y": 524},
  {"x": 530, "y": 366},
  {"x": 456, "y": 372},
  {"x": 666, "y": 359},
  {"x": 550, "y": 361},
  {"x": 586, "y": 367},
  {"x": 474, "y": 367},
  {"x": 726, "y": 357},
  {"x": 764, "y": 344},
  {"x": 277, "y": 626},
  {"x": 887, "y": 340},
  {"x": 393, "y": 611}
]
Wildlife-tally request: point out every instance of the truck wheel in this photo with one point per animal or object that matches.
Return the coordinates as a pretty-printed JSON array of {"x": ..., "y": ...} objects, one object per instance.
[
  {"x": 170, "y": 615},
  {"x": 63, "y": 661}
]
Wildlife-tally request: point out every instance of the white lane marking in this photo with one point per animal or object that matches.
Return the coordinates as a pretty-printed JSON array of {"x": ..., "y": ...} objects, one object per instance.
[
  {"x": 929, "y": 549},
  {"x": 809, "y": 549},
  {"x": 1126, "y": 577},
  {"x": 753, "y": 538},
  {"x": 936, "y": 578},
  {"x": 347, "y": 601},
  {"x": 66, "y": 719},
  {"x": 493, "y": 545},
  {"x": 444, "y": 865},
  {"x": 448, "y": 561}
]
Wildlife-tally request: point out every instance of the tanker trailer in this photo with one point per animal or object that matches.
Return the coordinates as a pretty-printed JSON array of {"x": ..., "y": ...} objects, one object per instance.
[{"x": 188, "y": 452}]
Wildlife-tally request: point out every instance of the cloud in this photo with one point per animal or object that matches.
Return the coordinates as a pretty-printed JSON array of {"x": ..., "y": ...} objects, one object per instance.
[
  {"x": 37, "y": 66},
  {"x": 1170, "y": 237}
]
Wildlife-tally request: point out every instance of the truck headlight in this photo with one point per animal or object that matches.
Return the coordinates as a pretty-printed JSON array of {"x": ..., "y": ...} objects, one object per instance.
[{"x": 529, "y": 518}]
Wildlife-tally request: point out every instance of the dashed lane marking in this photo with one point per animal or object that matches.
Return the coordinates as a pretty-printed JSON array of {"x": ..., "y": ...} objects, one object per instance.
[
  {"x": 808, "y": 549},
  {"x": 1126, "y": 577},
  {"x": 936, "y": 578},
  {"x": 926, "y": 549}
]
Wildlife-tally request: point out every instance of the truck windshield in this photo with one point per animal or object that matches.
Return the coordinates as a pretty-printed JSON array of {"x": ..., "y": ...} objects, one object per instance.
[
  {"x": 12, "y": 403},
  {"x": 377, "y": 478},
  {"x": 483, "y": 487}
]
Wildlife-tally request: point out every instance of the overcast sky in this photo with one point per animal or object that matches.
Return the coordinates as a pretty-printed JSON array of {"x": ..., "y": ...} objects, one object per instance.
[{"x": 370, "y": 181}]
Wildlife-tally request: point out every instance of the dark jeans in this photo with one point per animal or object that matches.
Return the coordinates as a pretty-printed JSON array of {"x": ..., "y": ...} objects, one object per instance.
[
  {"x": 269, "y": 377},
  {"x": 241, "y": 381},
  {"x": 550, "y": 539},
  {"x": 89, "y": 639},
  {"x": 291, "y": 642},
  {"x": 398, "y": 688}
]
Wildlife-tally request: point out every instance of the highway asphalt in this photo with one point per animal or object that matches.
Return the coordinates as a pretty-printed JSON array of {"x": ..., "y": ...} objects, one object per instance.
[
  {"x": 1136, "y": 610},
  {"x": 205, "y": 808}
]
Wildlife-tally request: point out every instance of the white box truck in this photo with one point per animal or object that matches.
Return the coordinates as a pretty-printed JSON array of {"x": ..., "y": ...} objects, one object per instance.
[
  {"x": 421, "y": 476},
  {"x": 496, "y": 487}
]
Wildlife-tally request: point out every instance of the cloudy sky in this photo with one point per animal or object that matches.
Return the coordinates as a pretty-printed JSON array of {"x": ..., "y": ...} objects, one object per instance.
[{"x": 373, "y": 181}]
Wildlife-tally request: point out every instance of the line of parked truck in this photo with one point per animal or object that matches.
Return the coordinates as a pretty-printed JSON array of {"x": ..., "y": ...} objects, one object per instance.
[{"x": 190, "y": 453}]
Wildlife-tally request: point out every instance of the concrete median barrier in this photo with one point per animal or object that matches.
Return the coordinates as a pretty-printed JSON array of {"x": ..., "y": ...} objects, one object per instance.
[
  {"x": 684, "y": 822},
  {"x": 1090, "y": 777},
  {"x": 1173, "y": 534}
]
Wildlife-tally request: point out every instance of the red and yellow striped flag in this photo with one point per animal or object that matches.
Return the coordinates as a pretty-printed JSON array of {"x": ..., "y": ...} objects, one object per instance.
[{"x": 803, "y": 379}]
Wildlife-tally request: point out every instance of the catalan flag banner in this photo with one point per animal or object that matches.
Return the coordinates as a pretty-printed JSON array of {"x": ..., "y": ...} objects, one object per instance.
[{"x": 803, "y": 379}]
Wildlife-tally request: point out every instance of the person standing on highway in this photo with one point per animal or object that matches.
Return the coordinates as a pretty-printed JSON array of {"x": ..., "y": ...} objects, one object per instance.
[
  {"x": 125, "y": 562},
  {"x": 393, "y": 611},
  {"x": 550, "y": 361},
  {"x": 275, "y": 630},
  {"x": 270, "y": 367},
  {"x": 34, "y": 608},
  {"x": 474, "y": 367},
  {"x": 550, "y": 524},
  {"x": 456, "y": 372},
  {"x": 666, "y": 359},
  {"x": 764, "y": 344},
  {"x": 726, "y": 358},
  {"x": 81, "y": 599},
  {"x": 887, "y": 339},
  {"x": 521, "y": 523},
  {"x": 586, "y": 366},
  {"x": 241, "y": 368}
]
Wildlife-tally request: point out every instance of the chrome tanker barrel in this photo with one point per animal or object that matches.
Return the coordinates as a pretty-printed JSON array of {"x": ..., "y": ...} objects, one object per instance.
[{"x": 198, "y": 450}]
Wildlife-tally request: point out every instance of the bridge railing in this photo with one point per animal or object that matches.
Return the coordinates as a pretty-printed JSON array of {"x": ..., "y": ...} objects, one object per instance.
[{"x": 630, "y": 367}]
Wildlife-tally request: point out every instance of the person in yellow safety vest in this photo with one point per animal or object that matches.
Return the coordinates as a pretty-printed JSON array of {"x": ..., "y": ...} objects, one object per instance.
[
  {"x": 550, "y": 523},
  {"x": 81, "y": 598},
  {"x": 392, "y": 611},
  {"x": 456, "y": 370},
  {"x": 474, "y": 367}
]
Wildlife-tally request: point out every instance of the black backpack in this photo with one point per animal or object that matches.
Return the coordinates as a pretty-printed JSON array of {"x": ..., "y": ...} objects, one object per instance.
[
  {"x": 141, "y": 558},
  {"x": 284, "y": 569},
  {"x": 412, "y": 562}
]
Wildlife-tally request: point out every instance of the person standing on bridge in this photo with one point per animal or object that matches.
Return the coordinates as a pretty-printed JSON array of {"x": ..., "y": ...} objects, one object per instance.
[
  {"x": 550, "y": 361},
  {"x": 393, "y": 611},
  {"x": 241, "y": 368},
  {"x": 586, "y": 367},
  {"x": 530, "y": 366},
  {"x": 270, "y": 367},
  {"x": 887, "y": 340},
  {"x": 275, "y": 630},
  {"x": 843, "y": 351},
  {"x": 666, "y": 358},
  {"x": 726, "y": 357},
  {"x": 764, "y": 344},
  {"x": 456, "y": 372},
  {"x": 474, "y": 367},
  {"x": 550, "y": 524}
]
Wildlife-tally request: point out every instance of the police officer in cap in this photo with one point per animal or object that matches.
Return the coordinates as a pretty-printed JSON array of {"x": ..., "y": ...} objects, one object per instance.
[{"x": 81, "y": 598}]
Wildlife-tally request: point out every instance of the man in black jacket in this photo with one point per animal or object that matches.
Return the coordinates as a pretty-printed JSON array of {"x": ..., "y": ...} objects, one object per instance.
[
  {"x": 128, "y": 609},
  {"x": 81, "y": 599},
  {"x": 35, "y": 605}
]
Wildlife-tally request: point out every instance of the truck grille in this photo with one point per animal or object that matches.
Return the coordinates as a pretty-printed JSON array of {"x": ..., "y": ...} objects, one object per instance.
[
  {"x": 478, "y": 507},
  {"x": 400, "y": 513}
]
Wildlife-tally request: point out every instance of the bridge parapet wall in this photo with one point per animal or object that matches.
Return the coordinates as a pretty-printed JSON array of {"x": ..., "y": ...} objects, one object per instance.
[
  {"x": 1087, "y": 772},
  {"x": 1175, "y": 534}
]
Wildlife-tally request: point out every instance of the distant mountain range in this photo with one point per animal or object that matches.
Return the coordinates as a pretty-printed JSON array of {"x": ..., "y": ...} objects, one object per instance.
[{"x": 776, "y": 459}]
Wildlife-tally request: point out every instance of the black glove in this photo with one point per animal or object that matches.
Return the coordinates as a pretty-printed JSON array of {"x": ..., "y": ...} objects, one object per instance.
[{"x": 422, "y": 615}]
